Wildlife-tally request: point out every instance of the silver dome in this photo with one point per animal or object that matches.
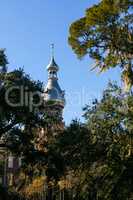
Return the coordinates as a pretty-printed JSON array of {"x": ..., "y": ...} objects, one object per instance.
[
  {"x": 52, "y": 65},
  {"x": 52, "y": 91}
]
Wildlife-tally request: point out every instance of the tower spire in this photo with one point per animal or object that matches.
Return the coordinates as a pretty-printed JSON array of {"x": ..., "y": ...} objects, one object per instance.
[
  {"x": 52, "y": 90},
  {"x": 52, "y": 65},
  {"x": 52, "y": 50}
]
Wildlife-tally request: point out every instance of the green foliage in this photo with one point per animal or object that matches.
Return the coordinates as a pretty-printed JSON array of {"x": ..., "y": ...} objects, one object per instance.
[
  {"x": 18, "y": 122},
  {"x": 99, "y": 153},
  {"x": 18, "y": 119},
  {"x": 74, "y": 143},
  {"x": 106, "y": 34},
  {"x": 11, "y": 116},
  {"x": 111, "y": 124},
  {"x": 3, "y": 61}
]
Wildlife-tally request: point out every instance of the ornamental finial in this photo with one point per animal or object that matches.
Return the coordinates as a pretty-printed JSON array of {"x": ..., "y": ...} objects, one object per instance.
[
  {"x": 52, "y": 65},
  {"x": 52, "y": 50}
]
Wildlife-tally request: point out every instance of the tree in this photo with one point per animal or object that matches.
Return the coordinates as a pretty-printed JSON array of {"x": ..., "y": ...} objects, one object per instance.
[
  {"x": 20, "y": 111},
  {"x": 15, "y": 111},
  {"x": 3, "y": 61},
  {"x": 110, "y": 122},
  {"x": 106, "y": 34},
  {"x": 75, "y": 147},
  {"x": 98, "y": 154},
  {"x": 74, "y": 143}
]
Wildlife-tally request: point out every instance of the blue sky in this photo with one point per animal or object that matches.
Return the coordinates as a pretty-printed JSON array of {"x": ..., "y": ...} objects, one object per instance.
[{"x": 27, "y": 30}]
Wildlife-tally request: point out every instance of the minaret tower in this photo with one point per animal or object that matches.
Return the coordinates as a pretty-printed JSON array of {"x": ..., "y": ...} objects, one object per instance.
[
  {"x": 54, "y": 103},
  {"x": 53, "y": 95}
]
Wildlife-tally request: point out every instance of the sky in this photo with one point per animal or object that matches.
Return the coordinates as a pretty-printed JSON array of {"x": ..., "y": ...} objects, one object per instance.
[{"x": 27, "y": 28}]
